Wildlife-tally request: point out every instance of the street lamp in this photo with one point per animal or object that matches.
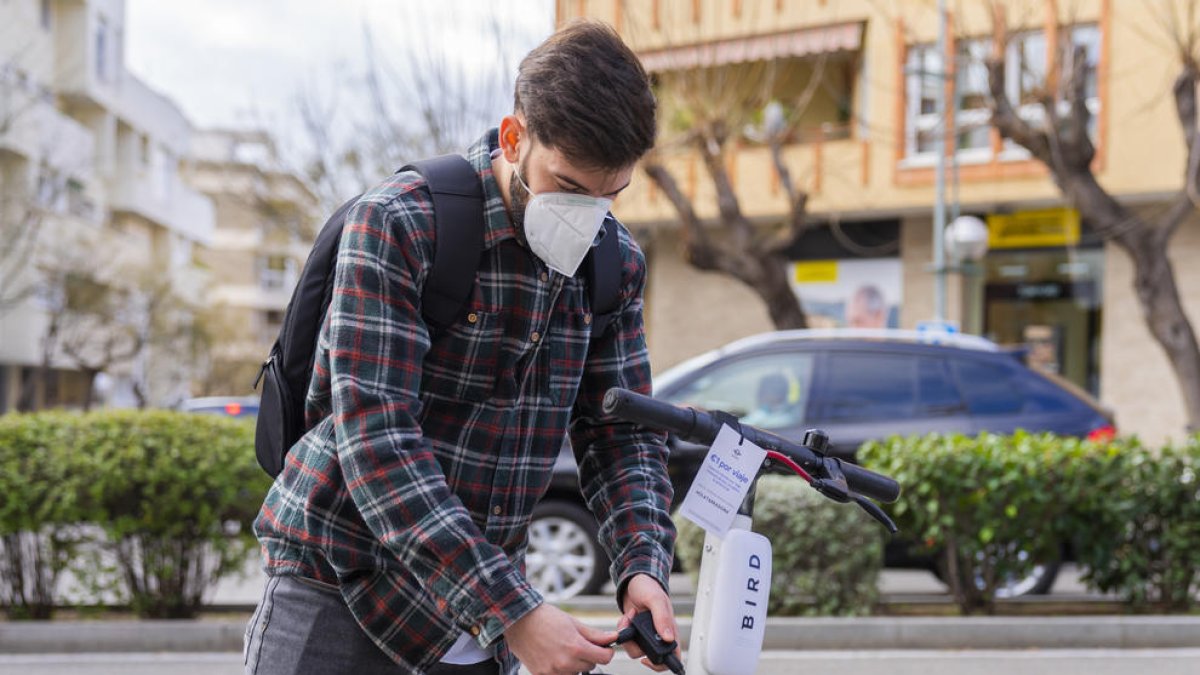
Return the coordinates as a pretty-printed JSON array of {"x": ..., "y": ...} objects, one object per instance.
[
  {"x": 967, "y": 239},
  {"x": 966, "y": 242}
]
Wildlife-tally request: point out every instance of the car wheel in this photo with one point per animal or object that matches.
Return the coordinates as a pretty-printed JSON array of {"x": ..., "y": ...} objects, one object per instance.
[
  {"x": 564, "y": 560},
  {"x": 1039, "y": 581}
]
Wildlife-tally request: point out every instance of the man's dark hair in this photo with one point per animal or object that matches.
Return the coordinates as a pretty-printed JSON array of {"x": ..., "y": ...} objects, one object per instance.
[{"x": 585, "y": 93}]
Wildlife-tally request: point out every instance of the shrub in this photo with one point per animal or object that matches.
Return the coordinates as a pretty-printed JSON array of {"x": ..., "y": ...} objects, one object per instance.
[
  {"x": 175, "y": 495},
  {"x": 826, "y": 556},
  {"x": 989, "y": 506},
  {"x": 1135, "y": 522},
  {"x": 38, "y": 509}
]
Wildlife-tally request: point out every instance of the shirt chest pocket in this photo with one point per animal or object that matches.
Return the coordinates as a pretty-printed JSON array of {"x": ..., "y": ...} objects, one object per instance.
[
  {"x": 570, "y": 334},
  {"x": 464, "y": 361}
]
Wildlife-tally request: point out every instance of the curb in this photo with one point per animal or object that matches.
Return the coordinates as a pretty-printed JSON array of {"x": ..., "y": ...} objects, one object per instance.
[{"x": 870, "y": 633}]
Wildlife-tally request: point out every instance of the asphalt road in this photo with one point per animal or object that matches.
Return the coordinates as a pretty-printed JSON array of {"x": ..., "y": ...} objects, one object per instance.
[{"x": 911, "y": 662}]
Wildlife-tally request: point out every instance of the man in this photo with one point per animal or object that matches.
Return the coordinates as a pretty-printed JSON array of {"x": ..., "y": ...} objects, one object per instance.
[{"x": 394, "y": 538}]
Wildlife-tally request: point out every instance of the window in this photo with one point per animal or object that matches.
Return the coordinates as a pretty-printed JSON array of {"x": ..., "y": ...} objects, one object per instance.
[
  {"x": 1025, "y": 63},
  {"x": 277, "y": 273},
  {"x": 973, "y": 117},
  {"x": 936, "y": 392},
  {"x": 990, "y": 389},
  {"x": 102, "y": 70},
  {"x": 768, "y": 391},
  {"x": 869, "y": 387},
  {"x": 923, "y": 75},
  {"x": 862, "y": 386}
]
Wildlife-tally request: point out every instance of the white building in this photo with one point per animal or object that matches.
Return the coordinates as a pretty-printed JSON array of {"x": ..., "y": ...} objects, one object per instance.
[{"x": 91, "y": 157}]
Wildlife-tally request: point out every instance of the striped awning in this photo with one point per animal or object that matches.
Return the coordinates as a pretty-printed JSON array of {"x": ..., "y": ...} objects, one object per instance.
[{"x": 796, "y": 43}]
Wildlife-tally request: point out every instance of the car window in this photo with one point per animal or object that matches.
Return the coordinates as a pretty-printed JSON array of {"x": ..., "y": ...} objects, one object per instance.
[
  {"x": 936, "y": 391},
  {"x": 767, "y": 390},
  {"x": 869, "y": 386},
  {"x": 990, "y": 389},
  {"x": 1043, "y": 396}
]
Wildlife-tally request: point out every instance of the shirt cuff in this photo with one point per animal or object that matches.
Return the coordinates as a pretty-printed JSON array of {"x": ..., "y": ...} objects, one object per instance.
[
  {"x": 499, "y": 606},
  {"x": 650, "y": 560}
]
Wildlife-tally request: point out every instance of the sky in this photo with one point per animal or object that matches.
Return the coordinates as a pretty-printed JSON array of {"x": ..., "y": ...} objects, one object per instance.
[{"x": 242, "y": 63}]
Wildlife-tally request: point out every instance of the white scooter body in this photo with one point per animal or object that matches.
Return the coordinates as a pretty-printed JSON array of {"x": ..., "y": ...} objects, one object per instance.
[{"x": 730, "y": 618}]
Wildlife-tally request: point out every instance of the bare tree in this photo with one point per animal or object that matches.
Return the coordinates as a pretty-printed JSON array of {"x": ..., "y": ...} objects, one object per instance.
[
  {"x": 713, "y": 111},
  {"x": 1061, "y": 141},
  {"x": 23, "y": 206},
  {"x": 412, "y": 98}
]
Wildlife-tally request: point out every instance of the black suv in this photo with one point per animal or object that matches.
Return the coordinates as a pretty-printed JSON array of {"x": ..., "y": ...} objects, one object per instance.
[{"x": 857, "y": 385}]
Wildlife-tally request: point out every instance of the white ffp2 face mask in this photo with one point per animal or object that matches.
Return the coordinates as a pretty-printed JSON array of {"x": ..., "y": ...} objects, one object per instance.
[{"x": 560, "y": 226}]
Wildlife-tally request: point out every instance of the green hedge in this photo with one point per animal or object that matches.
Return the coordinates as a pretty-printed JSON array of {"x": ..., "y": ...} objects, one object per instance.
[
  {"x": 173, "y": 494},
  {"x": 1136, "y": 523},
  {"x": 39, "y": 507},
  {"x": 827, "y": 557},
  {"x": 993, "y": 506}
]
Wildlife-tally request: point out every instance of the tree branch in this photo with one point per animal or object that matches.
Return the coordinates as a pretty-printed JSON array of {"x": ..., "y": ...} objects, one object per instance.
[
  {"x": 1185, "y": 108},
  {"x": 1004, "y": 116}
]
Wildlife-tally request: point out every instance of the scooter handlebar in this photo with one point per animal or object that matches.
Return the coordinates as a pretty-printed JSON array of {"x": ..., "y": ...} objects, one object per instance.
[{"x": 698, "y": 426}]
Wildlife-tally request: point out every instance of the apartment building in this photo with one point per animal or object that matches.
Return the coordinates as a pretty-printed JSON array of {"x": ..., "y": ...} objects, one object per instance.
[
  {"x": 865, "y": 153},
  {"x": 266, "y": 222},
  {"x": 90, "y": 159}
]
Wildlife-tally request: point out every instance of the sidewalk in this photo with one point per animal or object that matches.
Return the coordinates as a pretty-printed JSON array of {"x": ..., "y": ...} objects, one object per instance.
[
  {"x": 221, "y": 629},
  {"x": 783, "y": 633}
]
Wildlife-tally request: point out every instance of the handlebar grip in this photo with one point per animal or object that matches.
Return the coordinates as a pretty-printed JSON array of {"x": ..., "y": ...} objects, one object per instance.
[
  {"x": 698, "y": 426},
  {"x": 874, "y": 485}
]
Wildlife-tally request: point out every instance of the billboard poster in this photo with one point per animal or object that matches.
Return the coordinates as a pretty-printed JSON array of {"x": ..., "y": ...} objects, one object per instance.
[{"x": 858, "y": 293}]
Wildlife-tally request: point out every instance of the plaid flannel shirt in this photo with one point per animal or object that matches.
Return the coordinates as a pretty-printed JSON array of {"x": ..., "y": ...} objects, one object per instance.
[{"x": 414, "y": 488}]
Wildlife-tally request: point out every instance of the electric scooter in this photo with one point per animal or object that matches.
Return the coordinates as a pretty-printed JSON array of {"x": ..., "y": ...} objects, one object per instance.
[{"x": 729, "y": 620}]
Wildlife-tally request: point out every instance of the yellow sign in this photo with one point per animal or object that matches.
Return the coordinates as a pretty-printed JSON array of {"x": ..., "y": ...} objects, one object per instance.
[
  {"x": 1034, "y": 229},
  {"x": 816, "y": 272}
]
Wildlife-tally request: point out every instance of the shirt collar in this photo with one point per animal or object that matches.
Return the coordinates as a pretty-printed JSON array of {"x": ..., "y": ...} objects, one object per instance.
[{"x": 498, "y": 226}]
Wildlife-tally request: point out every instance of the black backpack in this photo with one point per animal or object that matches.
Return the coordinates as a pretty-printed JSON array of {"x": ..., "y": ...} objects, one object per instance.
[{"x": 459, "y": 219}]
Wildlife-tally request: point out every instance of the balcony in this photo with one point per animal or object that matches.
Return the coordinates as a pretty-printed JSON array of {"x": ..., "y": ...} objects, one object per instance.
[
  {"x": 169, "y": 204},
  {"x": 36, "y": 131}
]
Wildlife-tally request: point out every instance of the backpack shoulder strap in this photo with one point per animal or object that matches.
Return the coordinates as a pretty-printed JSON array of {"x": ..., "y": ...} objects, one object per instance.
[
  {"x": 459, "y": 219},
  {"x": 604, "y": 278}
]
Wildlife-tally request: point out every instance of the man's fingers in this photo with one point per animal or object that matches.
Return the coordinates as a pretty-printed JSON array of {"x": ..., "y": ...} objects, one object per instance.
[
  {"x": 651, "y": 666},
  {"x": 634, "y": 651},
  {"x": 596, "y": 636},
  {"x": 664, "y": 619}
]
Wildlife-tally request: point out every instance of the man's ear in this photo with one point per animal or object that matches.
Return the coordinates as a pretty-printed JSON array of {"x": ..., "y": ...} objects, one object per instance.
[{"x": 512, "y": 131}]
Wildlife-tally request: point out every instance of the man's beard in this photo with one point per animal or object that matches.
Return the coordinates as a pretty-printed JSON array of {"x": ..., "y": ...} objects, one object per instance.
[{"x": 518, "y": 199}]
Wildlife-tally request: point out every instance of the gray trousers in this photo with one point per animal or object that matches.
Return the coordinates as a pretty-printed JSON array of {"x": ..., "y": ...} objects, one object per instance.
[{"x": 301, "y": 626}]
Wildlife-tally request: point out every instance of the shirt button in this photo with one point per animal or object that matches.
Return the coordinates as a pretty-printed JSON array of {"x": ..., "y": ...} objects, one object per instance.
[
  {"x": 497, "y": 510},
  {"x": 475, "y": 631},
  {"x": 587, "y": 319},
  {"x": 472, "y": 317},
  {"x": 545, "y": 277},
  {"x": 536, "y": 336}
]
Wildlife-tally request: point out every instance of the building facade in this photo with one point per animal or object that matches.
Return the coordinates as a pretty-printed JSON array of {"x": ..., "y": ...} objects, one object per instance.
[
  {"x": 869, "y": 73},
  {"x": 90, "y": 159},
  {"x": 266, "y": 221}
]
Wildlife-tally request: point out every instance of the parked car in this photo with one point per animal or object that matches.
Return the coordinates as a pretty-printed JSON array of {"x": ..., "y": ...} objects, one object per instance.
[
  {"x": 228, "y": 406},
  {"x": 857, "y": 385}
]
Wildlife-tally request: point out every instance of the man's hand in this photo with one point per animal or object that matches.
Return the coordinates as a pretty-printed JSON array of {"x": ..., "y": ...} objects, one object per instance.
[
  {"x": 548, "y": 641},
  {"x": 641, "y": 593}
]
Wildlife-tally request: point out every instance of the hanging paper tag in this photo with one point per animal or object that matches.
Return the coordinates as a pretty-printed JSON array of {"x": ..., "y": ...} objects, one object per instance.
[{"x": 722, "y": 482}]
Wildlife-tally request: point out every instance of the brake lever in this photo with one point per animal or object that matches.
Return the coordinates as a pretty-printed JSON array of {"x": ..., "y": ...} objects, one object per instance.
[
  {"x": 875, "y": 512},
  {"x": 835, "y": 487}
]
